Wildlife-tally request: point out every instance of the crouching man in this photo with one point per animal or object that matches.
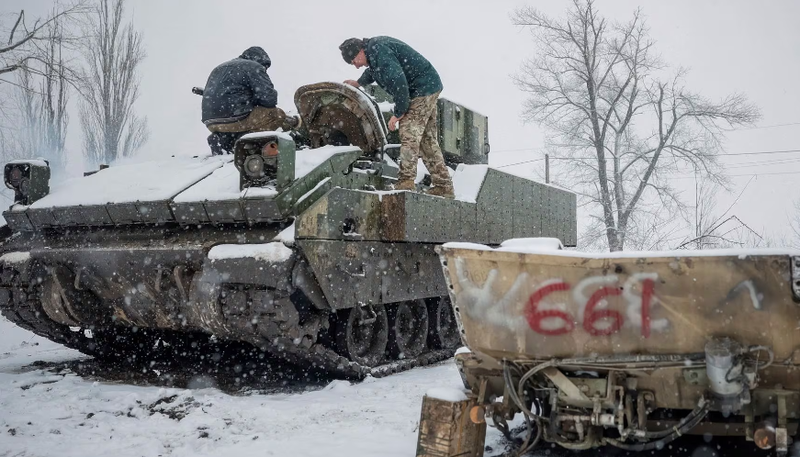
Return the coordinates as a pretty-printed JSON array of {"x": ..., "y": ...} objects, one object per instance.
[
  {"x": 415, "y": 86},
  {"x": 239, "y": 98}
]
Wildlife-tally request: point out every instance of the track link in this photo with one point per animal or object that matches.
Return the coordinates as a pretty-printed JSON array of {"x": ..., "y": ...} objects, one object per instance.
[
  {"x": 321, "y": 358},
  {"x": 29, "y": 315}
]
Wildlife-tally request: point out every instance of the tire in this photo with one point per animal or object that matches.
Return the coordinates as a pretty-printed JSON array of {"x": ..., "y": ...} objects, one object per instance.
[
  {"x": 408, "y": 329},
  {"x": 442, "y": 326},
  {"x": 364, "y": 344}
]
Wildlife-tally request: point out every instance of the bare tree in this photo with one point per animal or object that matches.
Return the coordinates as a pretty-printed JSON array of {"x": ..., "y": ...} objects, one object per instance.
[
  {"x": 793, "y": 240},
  {"x": 42, "y": 98},
  {"x": 21, "y": 47},
  {"x": 619, "y": 130},
  {"x": 714, "y": 230},
  {"x": 114, "y": 52}
]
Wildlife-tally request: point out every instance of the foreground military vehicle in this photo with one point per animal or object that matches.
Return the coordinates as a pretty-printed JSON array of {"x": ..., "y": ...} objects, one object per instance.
[
  {"x": 302, "y": 253},
  {"x": 630, "y": 350}
]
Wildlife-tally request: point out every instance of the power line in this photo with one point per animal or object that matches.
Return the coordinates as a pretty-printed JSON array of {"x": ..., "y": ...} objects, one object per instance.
[
  {"x": 764, "y": 127},
  {"x": 747, "y": 174},
  {"x": 769, "y": 173},
  {"x": 785, "y": 151},
  {"x": 724, "y": 154},
  {"x": 518, "y": 163},
  {"x": 761, "y": 163}
]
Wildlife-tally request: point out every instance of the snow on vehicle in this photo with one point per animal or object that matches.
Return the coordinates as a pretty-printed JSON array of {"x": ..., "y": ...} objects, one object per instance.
[
  {"x": 630, "y": 350},
  {"x": 301, "y": 253}
]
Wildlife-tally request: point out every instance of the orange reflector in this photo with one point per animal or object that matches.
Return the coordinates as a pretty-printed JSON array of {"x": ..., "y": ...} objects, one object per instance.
[
  {"x": 270, "y": 150},
  {"x": 764, "y": 437},
  {"x": 477, "y": 414}
]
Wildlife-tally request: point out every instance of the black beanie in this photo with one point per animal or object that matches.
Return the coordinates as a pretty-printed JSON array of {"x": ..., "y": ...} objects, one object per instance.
[{"x": 350, "y": 49}]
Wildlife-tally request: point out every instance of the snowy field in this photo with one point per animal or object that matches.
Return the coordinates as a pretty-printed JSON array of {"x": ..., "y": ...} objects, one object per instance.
[
  {"x": 55, "y": 412},
  {"x": 51, "y": 407}
]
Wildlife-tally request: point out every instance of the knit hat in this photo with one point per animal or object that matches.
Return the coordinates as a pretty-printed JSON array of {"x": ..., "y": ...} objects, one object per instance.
[{"x": 350, "y": 48}]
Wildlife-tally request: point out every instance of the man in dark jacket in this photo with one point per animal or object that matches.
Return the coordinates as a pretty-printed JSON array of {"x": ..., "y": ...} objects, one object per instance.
[
  {"x": 239, "y": 98},
  {"x": 415, "y": 85}
]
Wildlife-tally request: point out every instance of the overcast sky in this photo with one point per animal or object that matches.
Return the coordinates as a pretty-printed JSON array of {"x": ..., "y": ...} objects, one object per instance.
[{"x": 728, "y": 46}]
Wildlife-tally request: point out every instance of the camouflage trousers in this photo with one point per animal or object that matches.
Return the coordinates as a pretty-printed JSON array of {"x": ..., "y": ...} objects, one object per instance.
[
  {"x": 260, "y": 119},
  {"x": 418, "y": 138}
]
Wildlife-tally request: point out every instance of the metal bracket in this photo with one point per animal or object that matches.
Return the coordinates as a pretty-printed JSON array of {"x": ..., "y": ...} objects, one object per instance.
[
  {"x": 371, "y": 313},
  {"x": 749, "y": 420},
  {"x": 781, "y": 441},
  {"x": 482, "y": 391},
  {"x": 357, "y": 274},
  {"x": 178, "y": 272},
  {"x": 159, "y": 273},
  {"x": 77, "y": 284},
  {"x": 567, "y": 387}
]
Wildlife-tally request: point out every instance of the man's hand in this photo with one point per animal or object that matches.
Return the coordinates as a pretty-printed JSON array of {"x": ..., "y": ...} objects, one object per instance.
[
  {"x": 352, "y": 82},
  {"x": 393, "y": 123}
]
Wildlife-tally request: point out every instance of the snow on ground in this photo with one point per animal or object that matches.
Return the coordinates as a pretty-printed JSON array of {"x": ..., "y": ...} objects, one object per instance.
[{"x": 49, "y": 413}]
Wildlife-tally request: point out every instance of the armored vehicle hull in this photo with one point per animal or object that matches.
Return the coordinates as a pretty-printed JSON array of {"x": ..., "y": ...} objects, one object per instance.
[
  {"x": 303, "y": 254},
  {"x": 632, "y": 350}
]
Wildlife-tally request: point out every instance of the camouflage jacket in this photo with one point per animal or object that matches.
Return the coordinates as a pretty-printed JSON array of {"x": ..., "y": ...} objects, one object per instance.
[{"x": 400, "y": 70}]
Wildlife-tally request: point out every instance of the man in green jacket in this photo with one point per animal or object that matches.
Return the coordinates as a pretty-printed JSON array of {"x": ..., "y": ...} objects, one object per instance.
[{"x": 415, "y": 85}]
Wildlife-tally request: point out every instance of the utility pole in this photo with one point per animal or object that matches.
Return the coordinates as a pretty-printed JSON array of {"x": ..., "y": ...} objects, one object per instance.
[
  {"x": 547, "y": 168},
  {"x": 697, "y": 228}
]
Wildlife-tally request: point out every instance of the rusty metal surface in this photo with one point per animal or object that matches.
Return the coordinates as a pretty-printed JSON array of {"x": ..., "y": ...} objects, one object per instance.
[
  {"x": 542, "y": 306},
  {"x": 535, "y": 306}
]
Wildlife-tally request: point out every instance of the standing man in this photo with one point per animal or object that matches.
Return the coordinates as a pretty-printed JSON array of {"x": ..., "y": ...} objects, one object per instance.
[
  {"x": 239, "y": 98},
  {"x": 415, "y": 85}
]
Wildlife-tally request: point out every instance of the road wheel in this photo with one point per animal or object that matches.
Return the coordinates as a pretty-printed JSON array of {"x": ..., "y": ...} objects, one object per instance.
[
  {"x": 443, "y": 330},
  {"x": 362, "y": 333},
  {"x": 408, "y": 329}
]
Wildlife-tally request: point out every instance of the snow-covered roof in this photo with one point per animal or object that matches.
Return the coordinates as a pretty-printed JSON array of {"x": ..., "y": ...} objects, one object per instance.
[
  {"x": 467, "y": 181},
  {"x": 38, "y": 162},
  {"x": 286, "y": 236},
  {"x": 222, "y": 184},
  {"x": 271, "y": 252},
  {"x": 15, "y": 257},
  {"x": 260, "y": 192},
  {"x": 307, "y": 160},
  {"x": 268, "y": 134},
  {"x": 547, "y": 247},
  {"x": 148, "y": 181},
  {"x": 446, "y": 394}
]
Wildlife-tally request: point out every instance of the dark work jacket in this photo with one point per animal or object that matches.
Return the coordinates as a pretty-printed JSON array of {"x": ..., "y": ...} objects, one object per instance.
[
  {"x": 237, "y": 86},
  {"x": 400, "y": 70}
]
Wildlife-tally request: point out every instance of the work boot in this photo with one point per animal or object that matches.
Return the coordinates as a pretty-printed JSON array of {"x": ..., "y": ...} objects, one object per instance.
[
  {"x": 441, "y": 191},
  {"x": 405, "y": 184}
]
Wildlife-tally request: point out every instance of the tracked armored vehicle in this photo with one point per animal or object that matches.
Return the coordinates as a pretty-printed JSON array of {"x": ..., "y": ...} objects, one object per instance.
[{"x": 303, "y": 254}]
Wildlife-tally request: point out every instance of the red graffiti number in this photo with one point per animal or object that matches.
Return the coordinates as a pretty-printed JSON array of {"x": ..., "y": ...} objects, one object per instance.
[
  {"x": 591, "y": 317},
  {"x": 596, "y": 322},
  {"x": 536, "y": 317},
  {"x": 647, "y": 296}
]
